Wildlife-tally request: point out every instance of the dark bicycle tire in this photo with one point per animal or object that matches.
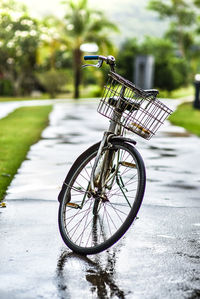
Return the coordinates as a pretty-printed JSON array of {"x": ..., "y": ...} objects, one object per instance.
[
  {"x": 96, "y": 207},
  {"x": 70, "y": 191}
]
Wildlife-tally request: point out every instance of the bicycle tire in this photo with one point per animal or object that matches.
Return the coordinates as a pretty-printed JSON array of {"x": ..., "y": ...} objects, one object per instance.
[{"x": 97, "y": 242}]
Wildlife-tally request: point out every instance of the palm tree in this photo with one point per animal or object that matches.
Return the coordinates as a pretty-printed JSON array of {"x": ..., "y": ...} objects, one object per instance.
[{"x": 85, "y": 25}]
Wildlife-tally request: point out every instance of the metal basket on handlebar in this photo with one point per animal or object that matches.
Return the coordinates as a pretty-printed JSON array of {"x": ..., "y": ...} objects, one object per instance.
[{"x": 135, "y": 109}]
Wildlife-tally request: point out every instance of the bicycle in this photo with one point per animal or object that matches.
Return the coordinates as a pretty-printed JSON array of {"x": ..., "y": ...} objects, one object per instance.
[{"x": 104, "y": 188}]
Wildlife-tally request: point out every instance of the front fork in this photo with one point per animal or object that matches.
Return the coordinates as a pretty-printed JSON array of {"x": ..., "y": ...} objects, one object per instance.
[{"x": 101, "y": 170}]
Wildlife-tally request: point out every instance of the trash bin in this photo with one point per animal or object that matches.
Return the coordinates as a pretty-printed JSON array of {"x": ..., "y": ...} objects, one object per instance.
[
  {"x": 196, "y": 103},
  {"x": 144, "y": 71}
]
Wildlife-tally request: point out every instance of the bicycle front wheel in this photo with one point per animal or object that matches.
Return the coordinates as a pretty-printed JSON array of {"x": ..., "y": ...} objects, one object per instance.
[{"x": 89, "y": 225}]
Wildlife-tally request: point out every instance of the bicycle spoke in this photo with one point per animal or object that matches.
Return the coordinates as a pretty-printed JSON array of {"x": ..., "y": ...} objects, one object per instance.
[
  {"x": 117, "y": 210},
  {"x": 79, "y": 222},
  {"x": 88, "y": 229},
  {"x": 84, "y": 229},
  {"x": 71, "y": 217}
]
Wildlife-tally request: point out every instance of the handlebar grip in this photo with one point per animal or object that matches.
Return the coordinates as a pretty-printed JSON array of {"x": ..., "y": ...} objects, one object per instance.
[{"x": 91, "y": 57}]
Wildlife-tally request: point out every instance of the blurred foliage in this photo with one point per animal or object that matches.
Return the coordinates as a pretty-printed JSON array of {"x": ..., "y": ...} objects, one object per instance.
[
  {"x": 126, "y": 56},
  {"x": 34, "y": 52},
  {"x": 170, "y": 73},
  {"x": 6, "y": 87},
  {"x": 52, "y": 81},
  {"x": 19, "y": 41},
  {"x": 184, "y": 92},
  {"x": 176, "y": 54},
  {"x": 184, "y": 27},
  {"x": 182, "y": 15},
  {"x": 29, "y": 46},
  {"x": 85, "y": 25},
  {"x": 53, "y": 50}
]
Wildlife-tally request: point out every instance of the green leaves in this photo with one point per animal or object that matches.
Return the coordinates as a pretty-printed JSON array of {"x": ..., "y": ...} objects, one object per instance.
[
  {"x": 85, "y": 25},
  {"x": 163, "y": 9},
  {"x": 19, "y": 39},
  {"x": 52, "y": 81}
]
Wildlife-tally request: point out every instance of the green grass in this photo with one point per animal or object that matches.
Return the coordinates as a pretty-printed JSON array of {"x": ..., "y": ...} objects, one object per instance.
[
  {"x": 182, "y": 92},
  {"x": 188, "y": 117},
  {"x": 94, "y": 90},
  {"x": 18, "y": 131},
  {"x": 27, "y": 98}
]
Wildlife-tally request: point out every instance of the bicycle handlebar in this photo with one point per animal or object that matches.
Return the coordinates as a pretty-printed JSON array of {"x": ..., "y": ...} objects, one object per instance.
[
  {"x": 91, "y": 57},
  {"x": 110, "y": 60}
]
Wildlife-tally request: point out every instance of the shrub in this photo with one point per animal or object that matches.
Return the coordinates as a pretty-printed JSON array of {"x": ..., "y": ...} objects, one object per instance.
[
  {"x": 171, "y": 71},
  {"x": 6, "y": 88},
  {"x": 52, "y": 81}
]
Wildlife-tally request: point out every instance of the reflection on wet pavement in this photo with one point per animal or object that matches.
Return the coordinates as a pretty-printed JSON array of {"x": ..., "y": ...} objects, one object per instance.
[
  {"x": 157, "y": 258},
  {"x": 101, "y": 277}
]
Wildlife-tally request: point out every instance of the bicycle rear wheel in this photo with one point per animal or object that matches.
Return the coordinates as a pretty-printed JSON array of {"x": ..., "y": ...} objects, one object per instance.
[{"x": 89, "y": 225}]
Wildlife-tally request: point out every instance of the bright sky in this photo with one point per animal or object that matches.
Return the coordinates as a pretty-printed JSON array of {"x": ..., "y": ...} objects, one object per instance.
[
  {"x": 46, "y": 7},
  {"x": 43, "y": 7},
  {"x": 116, "y": 10}
]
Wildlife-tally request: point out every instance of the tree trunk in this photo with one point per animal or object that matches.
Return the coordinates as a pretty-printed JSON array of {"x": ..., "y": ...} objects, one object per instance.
[{"x": 77, "y": 72}]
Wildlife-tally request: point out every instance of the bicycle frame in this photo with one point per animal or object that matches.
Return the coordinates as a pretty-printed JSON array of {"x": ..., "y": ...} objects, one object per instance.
[{"x": 114, "y": 130}]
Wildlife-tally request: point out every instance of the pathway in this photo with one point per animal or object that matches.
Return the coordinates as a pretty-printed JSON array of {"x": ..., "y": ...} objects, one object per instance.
[{"x": 159, "y": 256}]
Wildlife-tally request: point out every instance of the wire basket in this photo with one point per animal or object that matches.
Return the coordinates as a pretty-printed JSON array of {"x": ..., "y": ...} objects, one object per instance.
[{"x": 135, "y": 109}]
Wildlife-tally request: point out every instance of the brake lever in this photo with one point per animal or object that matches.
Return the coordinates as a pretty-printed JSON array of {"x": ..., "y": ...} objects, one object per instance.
[{"x": 98, "y": 65}]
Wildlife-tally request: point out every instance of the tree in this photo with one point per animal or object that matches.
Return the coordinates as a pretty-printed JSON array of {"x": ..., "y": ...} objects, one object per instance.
[
  {"x": 52, "y": 41},
  {"x": 126, "y": 56},
  {"x": 170, "y": 73},
  {"x": 19, "y": 38},
  {"x": 52, "y": 81},
  {"x": 183, "y": 16},
  {"x": 85, "y": 25}
]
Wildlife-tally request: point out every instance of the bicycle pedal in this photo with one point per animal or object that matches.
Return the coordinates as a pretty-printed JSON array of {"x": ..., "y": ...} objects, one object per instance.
[
  {"x": 73, "y": 205},
  {"x": 3, "y": 205},
  {"x": 128, "y": 164}
]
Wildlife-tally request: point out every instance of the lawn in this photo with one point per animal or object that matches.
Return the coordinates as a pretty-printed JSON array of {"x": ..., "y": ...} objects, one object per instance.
[
  {"x": 182, "y": 92},
  {"x": 188, "y": 117},
  {"x": 18, "y": 131},
  {"x": 27, "y": 98}
]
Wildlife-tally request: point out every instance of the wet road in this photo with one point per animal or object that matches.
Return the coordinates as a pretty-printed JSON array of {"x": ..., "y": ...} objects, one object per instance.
[{"x": 158, "y": 257}]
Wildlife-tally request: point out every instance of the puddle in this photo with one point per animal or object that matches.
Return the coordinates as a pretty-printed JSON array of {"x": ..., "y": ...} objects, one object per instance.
[
  {"x": 99, "y": 275},
  {"x": 161, "y": 149},
  {"x": 188, "y": 255},
  {"x": 163, "y": 152},
  {"x": 184, "y": 186},
  {"x": 168, "y": 155},
  {"x": 72, "y": 117},
  {"x": 177, "y": 134}
]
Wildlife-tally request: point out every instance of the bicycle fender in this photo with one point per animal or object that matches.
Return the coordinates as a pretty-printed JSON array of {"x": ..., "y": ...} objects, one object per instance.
[{"x": 121, "y": 138}]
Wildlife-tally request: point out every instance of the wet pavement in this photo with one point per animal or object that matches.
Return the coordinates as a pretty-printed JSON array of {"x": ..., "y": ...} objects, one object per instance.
[{"x": 158, "y": 257}]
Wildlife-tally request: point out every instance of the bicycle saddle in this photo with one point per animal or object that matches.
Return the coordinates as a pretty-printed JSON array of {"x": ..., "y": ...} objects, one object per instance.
[
  {"x": 126, "y": 104},
  {"x": 153, "y": 92}
]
